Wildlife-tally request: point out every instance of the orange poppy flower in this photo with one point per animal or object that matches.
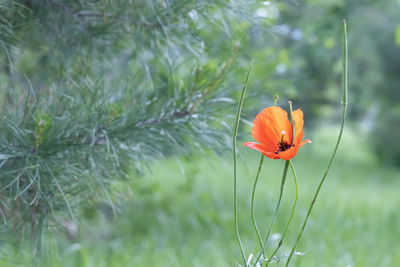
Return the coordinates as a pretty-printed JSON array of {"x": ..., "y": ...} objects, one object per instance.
[{"x": 274, "y": 132}]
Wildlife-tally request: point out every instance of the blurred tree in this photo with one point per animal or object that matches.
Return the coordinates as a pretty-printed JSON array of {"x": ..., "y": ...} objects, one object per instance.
[{"x": 301, "y": 60}]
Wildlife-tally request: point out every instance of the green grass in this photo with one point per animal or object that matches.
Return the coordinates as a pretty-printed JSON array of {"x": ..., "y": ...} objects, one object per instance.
[{"x": 181, "y": 214}]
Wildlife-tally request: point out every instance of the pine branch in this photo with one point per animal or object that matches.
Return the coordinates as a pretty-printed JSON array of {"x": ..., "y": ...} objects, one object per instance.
[{"x": 104, "y": 90}]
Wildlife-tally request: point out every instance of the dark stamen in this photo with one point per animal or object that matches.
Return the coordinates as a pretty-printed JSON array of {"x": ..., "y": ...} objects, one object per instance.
[{"x": 283, "y": 146}]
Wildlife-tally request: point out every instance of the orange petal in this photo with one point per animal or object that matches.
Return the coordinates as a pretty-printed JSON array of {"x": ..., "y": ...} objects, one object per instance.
[
  {"x": 298, "y": 124},
  {"x": 269, "y": 125},
  {"x": 262, "y": 148},
  {"x": 288, "y": 154},
  {"x": 291, "y": 152},
  {"x": 304, "y": 142}
]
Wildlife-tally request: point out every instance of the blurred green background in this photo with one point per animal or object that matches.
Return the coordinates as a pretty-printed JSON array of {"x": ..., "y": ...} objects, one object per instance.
[{"x": 130, "y": 106}]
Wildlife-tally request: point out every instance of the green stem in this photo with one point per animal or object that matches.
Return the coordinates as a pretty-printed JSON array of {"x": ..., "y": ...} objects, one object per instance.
[
  {"x": 291, "y": 214},
  {"x": 276, "y": 97},
  {"x": 239, "y": 111},
  {"x": 344, "y": 104},
  {"x": 279, "y": 201},
  {"x": 252, "y": 204},
  {"x": 276, "y": 209}
]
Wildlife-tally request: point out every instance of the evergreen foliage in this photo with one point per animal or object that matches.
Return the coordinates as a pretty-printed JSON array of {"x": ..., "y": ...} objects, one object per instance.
[{"x": 92, "y": 90}]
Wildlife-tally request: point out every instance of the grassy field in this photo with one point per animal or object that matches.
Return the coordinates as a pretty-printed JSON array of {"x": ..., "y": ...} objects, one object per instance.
[{"x": 181, "y": 213}]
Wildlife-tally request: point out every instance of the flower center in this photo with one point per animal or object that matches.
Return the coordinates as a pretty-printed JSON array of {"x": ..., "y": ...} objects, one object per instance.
[{"x": 283, "y": 145}]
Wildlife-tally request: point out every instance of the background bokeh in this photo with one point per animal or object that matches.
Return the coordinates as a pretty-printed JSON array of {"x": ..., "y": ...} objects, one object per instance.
[{"x": 116, "y": 124}]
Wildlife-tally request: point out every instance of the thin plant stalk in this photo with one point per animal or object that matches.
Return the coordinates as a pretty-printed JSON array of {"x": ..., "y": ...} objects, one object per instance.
[
  {"x": 252, "y": 201},
  {"x": 239, "y": 111},
  {"x": 262, "y": 252},
  {"x": 276, "y": 209},
  {"x": 344, "y": 106},
  {"x": 282, "y": 183},
  {"x": 279, "y": 202},
  {"x": 253, "y": 218},
  {"x": 291, "y": 214}
]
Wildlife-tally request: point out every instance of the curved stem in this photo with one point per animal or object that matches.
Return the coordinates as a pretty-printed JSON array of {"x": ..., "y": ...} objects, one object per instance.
[
  {"x": 252, "y": 205},
  {"x": 279, "y": 202},
  {"x": 276, "y": 209},
  {"x": 291, "y": 214},
  {"x": 344, "y": 104},
  {"x": 239, "y": 111}
]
